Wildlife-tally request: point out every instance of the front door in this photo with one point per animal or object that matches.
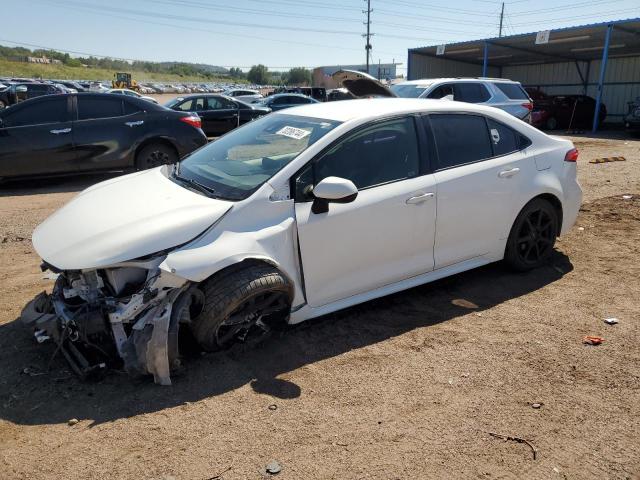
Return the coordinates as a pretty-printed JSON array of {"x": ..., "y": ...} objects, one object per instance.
[
  {"x": 484, "y": 176},
  {"x": 37, "y": 139},
  {"x": 386, "y": 234}
]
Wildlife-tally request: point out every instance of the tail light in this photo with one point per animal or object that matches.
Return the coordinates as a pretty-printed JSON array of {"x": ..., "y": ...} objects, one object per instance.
[
  {"x": 192, "y": 120},
  {"x": 528, "y": 105},
  {"x": 572, "y": 155}
]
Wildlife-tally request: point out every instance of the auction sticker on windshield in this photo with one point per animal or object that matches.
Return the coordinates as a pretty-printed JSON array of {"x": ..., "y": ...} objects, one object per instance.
[{"x": 293, "y": 132}]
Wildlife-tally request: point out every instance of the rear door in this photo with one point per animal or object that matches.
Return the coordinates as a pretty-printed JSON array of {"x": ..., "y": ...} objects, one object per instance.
[
  {"x": 483, "y": 174},
  {"x": 220, "y": 116},
  {"x": 36, "y": 138},
  {"x": 106, "y": 131}
]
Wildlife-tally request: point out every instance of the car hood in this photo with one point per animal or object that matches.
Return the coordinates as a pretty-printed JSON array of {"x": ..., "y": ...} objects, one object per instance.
[
  {"x": 361, "y": 85},
  {"x": 124, "y": 218}
]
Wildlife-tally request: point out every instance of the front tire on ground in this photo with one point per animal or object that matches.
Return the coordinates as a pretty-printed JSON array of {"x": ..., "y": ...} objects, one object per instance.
[
  {"x": 155, "y": 155},
  {"x": 532, "y": 236},
  {"x": 242, "y": 304}
]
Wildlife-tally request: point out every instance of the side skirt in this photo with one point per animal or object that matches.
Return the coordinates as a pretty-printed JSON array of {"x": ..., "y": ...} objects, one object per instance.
[{"x": 306, "y": 312}]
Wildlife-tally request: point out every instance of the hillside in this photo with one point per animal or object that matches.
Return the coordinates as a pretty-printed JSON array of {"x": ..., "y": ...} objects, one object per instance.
[{"x": 34, "y": 70}]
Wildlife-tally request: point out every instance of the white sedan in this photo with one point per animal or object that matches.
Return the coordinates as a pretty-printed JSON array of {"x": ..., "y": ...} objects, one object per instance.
[
  {"x": 131, "y": 93},
  {"x": 293, "y": 216}
]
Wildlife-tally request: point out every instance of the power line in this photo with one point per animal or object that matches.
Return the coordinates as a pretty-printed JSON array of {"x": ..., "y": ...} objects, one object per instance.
[{"x": 197, "y": 20}]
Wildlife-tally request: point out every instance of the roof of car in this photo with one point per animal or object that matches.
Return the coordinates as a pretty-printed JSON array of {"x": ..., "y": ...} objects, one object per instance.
[
  {"x": 289, "y": 95},
  {"x": 431, "y": 81},
  {"x": 380, "y": 107}
]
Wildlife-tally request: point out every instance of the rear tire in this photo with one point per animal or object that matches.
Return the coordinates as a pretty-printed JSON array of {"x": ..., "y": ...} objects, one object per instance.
[
  {"x": 155, "y": 155},
  {"x": 242, "y": 304},
  {"x": 532, "y": 236}
]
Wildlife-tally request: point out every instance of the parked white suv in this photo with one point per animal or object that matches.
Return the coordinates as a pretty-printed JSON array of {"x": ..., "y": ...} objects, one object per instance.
[
  {"x": 501, "y": 93},
  {"x": 295, "y": 215}
]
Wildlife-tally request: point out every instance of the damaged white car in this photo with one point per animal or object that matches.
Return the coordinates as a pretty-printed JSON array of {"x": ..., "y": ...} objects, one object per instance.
[{"x": 293, "y": 216}]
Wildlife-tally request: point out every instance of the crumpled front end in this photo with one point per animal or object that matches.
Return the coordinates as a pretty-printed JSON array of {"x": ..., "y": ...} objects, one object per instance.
[{"x": 126, "y": 316}]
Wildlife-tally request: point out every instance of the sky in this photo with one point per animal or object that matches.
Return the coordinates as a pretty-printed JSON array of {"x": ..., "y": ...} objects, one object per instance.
[{"x": 282, "y": 33}]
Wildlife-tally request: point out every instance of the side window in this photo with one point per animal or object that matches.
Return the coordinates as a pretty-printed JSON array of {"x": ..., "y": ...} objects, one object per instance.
[
  {"x": 130, "y": 108},
  {"x": 378, "y": 154},
  {"x": 503, "y": 139},
  {"x": 471, "y": 92},
  {"x": 441, "y": 91},
  {"x": 185, "y": 106},
  {"x": 460, "y": 139},
  {"x": 198, "y": 104},
  {"x": 281, "y": 101},
  {"x": 50, "y": 111},
  {"x": 224, "y": 103},
  {"x": 99, "y": 107},
  {"x": 214, "y": 103}
]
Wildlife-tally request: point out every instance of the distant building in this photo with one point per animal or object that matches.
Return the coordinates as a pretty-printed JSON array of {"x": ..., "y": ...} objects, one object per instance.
[
  {"x": 42, "y": 60},
  {"x": 383, "y": 71}
]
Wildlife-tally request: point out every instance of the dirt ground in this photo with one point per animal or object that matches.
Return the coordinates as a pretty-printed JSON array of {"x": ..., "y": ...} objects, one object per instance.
[{"x": 405, "y": 387}]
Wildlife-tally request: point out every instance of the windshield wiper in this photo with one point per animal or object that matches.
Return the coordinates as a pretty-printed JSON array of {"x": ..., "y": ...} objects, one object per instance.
[{"x": 208, "y": 191}]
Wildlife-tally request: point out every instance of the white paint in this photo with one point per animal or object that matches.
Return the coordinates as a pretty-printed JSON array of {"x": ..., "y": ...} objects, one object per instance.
[{"x": 391, "y": 237}]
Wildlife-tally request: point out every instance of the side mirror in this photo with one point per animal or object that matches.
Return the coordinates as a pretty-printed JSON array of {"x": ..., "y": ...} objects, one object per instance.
[{"x": 332, "y": 190}]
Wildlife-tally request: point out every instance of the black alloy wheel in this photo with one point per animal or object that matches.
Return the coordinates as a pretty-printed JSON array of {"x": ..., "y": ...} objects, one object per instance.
[
  {"x": 532, "y": 236},
  {"x": 155, "y": 155},
  {"x": 249, "y": 322}
]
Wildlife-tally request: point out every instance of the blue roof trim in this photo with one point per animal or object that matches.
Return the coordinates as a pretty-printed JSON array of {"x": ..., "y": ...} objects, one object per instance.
[{"x": 520, "y": 35}]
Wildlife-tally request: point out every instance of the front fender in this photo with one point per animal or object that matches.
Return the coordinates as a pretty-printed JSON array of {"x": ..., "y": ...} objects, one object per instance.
[{"x": 229, "y": 243}]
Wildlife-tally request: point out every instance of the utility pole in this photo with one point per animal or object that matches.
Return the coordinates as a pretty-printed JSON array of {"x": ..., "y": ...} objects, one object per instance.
[
  {"x": 368, "y": 35},
  {"x": 501, "y": 18}
]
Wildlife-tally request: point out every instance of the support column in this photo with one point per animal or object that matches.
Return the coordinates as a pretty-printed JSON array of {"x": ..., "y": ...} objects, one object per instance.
[
  {"x": 603, "y": 71},
  {"x": 485, "y": 62}
]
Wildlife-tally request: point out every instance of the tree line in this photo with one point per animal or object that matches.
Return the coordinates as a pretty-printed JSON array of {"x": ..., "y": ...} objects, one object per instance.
[{"x": 258, "y": 74}]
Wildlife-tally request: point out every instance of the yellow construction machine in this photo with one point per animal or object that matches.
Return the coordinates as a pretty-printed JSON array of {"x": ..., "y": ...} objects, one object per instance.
[{"x": 123, "y": 80}]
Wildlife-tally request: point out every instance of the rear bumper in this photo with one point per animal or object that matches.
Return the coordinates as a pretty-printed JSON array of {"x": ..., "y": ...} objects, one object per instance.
[{"x": 571, "y": 205}]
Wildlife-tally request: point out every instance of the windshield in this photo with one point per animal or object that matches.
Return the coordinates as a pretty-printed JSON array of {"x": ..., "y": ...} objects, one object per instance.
[
  {"x": 173, "y": 101},
  {"x": 237, "y": 164},
  {"x": 409, "y": 90}
]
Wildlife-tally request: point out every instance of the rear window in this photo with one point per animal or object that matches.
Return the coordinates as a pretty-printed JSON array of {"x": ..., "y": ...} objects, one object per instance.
[{"x": 512, "y": 90}]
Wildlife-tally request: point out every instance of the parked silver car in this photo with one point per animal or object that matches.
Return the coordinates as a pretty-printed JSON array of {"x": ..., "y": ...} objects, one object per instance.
[{"x": 501, "y": 93}]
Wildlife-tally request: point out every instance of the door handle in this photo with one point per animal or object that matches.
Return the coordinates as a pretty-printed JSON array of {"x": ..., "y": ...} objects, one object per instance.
[
  {"x": 60, "y": 131},
  {"x": 508, "y": 173},
  {"x": 134, "y": 124},
  {"x": 423, "y": 197}
]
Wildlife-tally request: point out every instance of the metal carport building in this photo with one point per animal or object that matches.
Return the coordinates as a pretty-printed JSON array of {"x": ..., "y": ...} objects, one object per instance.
[{"x": 601, "y": 60}]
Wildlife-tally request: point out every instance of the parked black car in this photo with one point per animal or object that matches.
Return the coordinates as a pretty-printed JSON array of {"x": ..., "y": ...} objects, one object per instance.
[
  {"x": 71, "y": 133},
  {"x": 75, "y": 85},
  {"x": 219, "y": 113},
  {"x": 281, "y": 101},
  {"x": 17, "y": 92}
]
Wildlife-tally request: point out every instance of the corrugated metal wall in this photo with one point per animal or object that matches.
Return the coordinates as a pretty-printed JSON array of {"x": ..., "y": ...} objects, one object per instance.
[
  {"x": 622, "y": 81},
  {"x": 431, "y": 67}
]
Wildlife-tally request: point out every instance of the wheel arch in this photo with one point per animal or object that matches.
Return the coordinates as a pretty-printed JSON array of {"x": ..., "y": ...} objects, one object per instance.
[{"x": 236, "y": 262}]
